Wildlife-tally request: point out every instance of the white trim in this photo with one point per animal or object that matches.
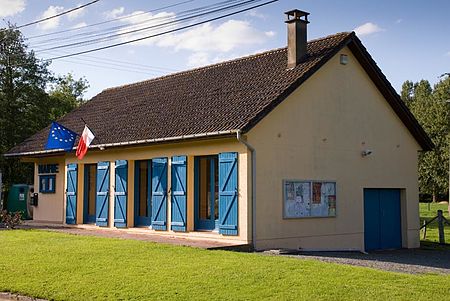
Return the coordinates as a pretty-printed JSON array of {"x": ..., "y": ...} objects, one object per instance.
[{"x": 102, "y": 146}]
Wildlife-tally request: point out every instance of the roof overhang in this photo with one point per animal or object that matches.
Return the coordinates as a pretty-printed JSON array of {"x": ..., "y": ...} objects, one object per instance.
[{"x": 53, "y": 152}]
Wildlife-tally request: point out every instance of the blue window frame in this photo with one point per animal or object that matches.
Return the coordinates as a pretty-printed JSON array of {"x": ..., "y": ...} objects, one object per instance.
[{"x": 47, "y": 183}]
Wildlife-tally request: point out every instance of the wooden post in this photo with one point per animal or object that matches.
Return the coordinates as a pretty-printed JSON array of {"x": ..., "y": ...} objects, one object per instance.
[
  {"x": 424, "y": 229},
  {"x": 441, "y": 227}
]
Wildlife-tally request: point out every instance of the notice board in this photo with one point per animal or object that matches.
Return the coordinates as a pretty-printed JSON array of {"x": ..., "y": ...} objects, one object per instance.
[{"x": 309, "y": 198}]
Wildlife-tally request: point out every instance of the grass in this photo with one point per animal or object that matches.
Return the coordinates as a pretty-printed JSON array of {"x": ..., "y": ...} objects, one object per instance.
[
  {"x": 68, "y": 267},
  {"x": 427, "y": 212}
]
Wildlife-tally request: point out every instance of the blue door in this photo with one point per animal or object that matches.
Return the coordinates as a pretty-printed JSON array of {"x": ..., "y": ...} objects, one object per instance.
[
  {"x": 71, "y": 194},
  {"x": 142, "y": 194},
  {"x": 102, "y": 198},
  {"x": 120, "y": 194},
  {"x": 206, "y": 194},
  {"x": 159, "y": 193},
  {"x": 228, "y": 193},
  {"x": 179, "y": 195},
  {"x": 382, "y": 219},
  {"x": 90, "y": 178}
]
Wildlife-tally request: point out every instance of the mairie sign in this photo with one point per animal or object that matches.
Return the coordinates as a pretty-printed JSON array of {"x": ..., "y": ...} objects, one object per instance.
[{"x": 48, "y": 168}]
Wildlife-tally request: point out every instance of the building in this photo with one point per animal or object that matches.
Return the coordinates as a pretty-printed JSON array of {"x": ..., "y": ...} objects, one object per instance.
[{"x": 305, "y": 147}]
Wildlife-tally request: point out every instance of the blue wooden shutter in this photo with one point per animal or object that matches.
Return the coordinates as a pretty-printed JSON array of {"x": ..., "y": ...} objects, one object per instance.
[
  {"x": 71, "y": 194},
  {"x": 159, "y": 193},
  {"x": 228, "y": 193},
  {"x": 120, "y": 194},
  {"x": 178, "y": 200},
  {"x": 102, "y": 199}
]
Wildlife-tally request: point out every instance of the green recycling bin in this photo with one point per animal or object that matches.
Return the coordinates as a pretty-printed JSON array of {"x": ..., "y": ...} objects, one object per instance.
[{"x": 18, "y": 200}]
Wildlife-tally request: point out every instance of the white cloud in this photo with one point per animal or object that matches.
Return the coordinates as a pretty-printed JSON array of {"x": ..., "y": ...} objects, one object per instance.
[
  {"x": 367, "y": 29},
  {"x": 76, "y": 13},
  {"x": 52, "y": 23},
  {"x": 208, "y": 43},
  {"x": 448, "y": 53},
  {"x": 11, "y": 7},
  {"x": 198, "y": 59},
  {"x": 223, "y": 38},
  {"x": 256, "y": 14},
  {"x": 398, "y": 21},
  {"x": 112, "y": 14},
  {"x": 79, "y": 25}
]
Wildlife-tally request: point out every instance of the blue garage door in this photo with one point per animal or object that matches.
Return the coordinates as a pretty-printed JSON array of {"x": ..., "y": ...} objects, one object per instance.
[{"x": 382, "y": 219}]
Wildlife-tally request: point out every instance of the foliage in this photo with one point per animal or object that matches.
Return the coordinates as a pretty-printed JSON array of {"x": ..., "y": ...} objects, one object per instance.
[
  {"x": 432, "y": 229},
  {"x": 66, "y": 94},
  {"x": 10, "y": 219},
  {"x": 25, "y": 104},
  {"x": 23, "y": 99},
  {"x": 433, "y": 113},
  {"x": 72, "y": 267}
]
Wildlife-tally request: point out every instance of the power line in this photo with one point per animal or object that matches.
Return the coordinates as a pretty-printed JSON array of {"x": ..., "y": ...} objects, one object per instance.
[
  {"x": 108, "y": 31},
  {"x": 93, "y": 41},
  {"x": 110, "y": 68},
  {"x": 123, "y": 64},
  {"x": 58, "y": 15},
  {"x": 166, "y": 32},
  {"x": 109, "y": 21}
]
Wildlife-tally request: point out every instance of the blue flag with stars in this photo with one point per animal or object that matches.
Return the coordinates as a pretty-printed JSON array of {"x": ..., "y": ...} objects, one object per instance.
[{"x": 60, "y": 137}]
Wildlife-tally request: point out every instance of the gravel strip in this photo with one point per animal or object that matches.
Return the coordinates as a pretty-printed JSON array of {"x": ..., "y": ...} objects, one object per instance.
[{"x": 411, "y": 261}]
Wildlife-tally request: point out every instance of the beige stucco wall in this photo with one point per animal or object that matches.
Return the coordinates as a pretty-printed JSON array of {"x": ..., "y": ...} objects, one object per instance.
[
  {"x": 50, "y": 207},
  {"x": 318, "y": 133},
  {"x": 190, "y": 149}
]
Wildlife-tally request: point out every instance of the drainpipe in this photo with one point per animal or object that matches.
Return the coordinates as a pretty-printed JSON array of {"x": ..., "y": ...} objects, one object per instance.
[{"x": 253, "y": 152}]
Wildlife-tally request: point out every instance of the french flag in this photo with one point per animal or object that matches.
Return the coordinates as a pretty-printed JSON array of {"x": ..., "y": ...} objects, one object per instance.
[{"x": 85, "y": 140}]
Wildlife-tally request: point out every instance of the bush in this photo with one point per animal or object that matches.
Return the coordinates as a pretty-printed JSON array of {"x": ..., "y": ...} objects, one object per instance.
[{"x": 10, "y": 220}]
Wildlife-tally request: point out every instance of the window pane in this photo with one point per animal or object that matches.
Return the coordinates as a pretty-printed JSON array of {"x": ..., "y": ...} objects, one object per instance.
[
  {"x": 50, "y": 183},
  {"x": 42, "y": 184}
]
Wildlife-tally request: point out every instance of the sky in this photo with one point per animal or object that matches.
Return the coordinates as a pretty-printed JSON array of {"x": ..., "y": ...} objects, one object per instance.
[{"x": 409, "y": 40}]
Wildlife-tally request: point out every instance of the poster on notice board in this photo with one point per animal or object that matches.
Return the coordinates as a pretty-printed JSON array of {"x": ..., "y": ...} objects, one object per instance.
[{"x": 309, "y": 199}]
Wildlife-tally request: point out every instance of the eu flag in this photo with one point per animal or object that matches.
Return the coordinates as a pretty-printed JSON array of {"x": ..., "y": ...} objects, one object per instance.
[{"x": 60, "y": 137}]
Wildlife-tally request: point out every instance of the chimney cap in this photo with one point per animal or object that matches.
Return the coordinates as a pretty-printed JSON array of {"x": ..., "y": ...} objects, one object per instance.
[{"x": 296, "y": 15}]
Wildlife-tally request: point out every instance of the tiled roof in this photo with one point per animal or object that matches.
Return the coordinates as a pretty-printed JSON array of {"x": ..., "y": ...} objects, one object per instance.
[{"x": 224, "y": 97}]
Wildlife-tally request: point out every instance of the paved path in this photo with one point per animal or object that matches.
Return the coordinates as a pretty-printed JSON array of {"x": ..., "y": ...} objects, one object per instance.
[
  {"x": 9, "y": 297},
  {"x": 137, "y": 234},
  {"x": 412, "y": 261}
]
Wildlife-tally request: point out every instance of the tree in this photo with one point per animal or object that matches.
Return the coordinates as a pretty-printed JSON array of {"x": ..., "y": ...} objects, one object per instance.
[
  {"x": 23, "y": 99},
  {"x": 432, "y": 111},
  {"x": 30, "y": 98},
  {"x": 66, "y": 94}
]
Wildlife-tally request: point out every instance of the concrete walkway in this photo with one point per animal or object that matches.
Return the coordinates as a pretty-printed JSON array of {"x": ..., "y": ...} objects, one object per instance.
[
  {"x": 196, "y": 239},
  {"x": 15, "y": 297}
]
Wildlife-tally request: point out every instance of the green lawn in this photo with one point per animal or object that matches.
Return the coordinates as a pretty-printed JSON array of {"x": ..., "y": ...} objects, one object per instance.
[
  {"x": 68, "y": 267},
  {"x": 432, "y": 229}
]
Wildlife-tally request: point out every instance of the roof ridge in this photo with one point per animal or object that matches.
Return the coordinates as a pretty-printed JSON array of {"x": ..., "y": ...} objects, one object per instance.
[{"x": 216, "y": 65}]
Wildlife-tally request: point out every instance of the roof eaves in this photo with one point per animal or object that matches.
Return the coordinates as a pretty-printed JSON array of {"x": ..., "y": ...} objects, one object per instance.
[{"x": 128, "y": 143}]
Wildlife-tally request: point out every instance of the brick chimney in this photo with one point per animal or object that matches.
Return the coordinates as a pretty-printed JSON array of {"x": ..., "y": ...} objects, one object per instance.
[{"x": 297, "y": 23}]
